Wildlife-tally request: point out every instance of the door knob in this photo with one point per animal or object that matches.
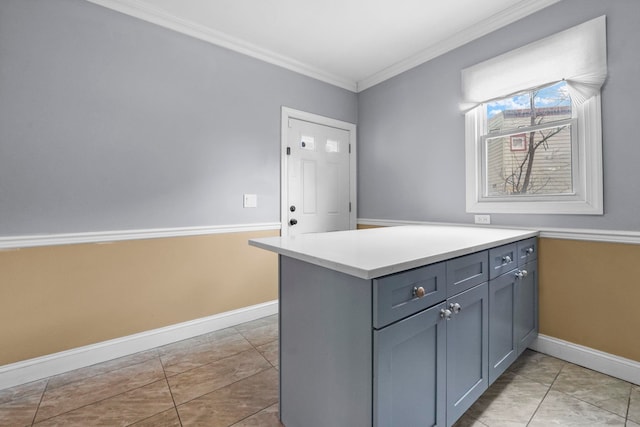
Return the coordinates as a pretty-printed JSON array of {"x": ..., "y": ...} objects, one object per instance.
[
  {"x": 292, "y": 208},
  {"x": 293, "y": 221}
]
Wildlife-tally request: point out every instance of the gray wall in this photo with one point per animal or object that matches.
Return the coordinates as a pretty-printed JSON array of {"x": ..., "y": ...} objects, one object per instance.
[
  {"x": 111, "y": 123},
  {"x": 411, "y": 133}
]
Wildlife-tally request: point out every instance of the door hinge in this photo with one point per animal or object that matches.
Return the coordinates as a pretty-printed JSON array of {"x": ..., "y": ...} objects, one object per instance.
[
  {"x": 349, "y": 206},
  {"x": 349, "y": 148},
  {"x": 288, "y": 151}
]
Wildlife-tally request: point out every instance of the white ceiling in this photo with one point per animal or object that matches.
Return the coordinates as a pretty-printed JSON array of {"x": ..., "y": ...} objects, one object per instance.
[{"x": 353, "y": 44}]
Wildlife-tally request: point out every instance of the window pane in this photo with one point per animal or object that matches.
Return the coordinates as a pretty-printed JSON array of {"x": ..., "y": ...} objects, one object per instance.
[
  {"x": 531, "y": 163},
  {"x": 508, "y": 113},
  {"x": 332, "y": 146},
  {"x": 550, "y": 104},
  {"x": 308, "y": 142}
]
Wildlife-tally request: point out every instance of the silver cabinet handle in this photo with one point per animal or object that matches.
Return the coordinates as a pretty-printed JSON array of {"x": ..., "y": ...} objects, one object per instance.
[
  {"x": 521, "y": 273},
  {"x": 445, "y": 314},
  {"x": 418, "y": 292},
  {"x": 506, "y": 259},
  {"x": 455, "y": 307},
  {"x": 529, "y": 251}
]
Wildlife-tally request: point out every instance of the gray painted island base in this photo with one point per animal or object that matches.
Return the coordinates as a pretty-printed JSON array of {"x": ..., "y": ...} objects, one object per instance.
[{"x": 369, "y": 352}]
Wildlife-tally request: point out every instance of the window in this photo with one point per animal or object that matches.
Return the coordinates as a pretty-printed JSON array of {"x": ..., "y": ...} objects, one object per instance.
[
  {"x": 533, "y": 126},
  {"x": 529, "y": 145}
]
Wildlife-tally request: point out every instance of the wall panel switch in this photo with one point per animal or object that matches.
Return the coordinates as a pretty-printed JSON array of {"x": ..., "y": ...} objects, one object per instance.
[{"x": 250, "y": 200}]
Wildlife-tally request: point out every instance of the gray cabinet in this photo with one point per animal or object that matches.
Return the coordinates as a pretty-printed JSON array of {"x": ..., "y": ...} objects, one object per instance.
[
  {"x": 502, "y": 319},
  {"x": 502, "y": 259},
  {"x": 442, "y": 351},
  {"x": 526, "y": 310},
  {"x": 326, "y": 344},
  {"x": 526, "y": 318},
  {"x": 467, "y": 350},
  {"x": 409, "y": 371},
  {"x": 513, "y": 303},
  {"x": 402, "y": 294},
  {"x": 414, "y": 348},
  {"x": 466, "y": 272},
  {"x": 527, "y": 251}
]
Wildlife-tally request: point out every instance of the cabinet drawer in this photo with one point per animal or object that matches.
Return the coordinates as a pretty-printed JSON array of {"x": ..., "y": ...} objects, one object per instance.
[
  {"x": 396, "y": 296},
  {"x": 502, "y": 259},
  {"x": 527, "y": 251},
  {"x": 466, "y": 272}
]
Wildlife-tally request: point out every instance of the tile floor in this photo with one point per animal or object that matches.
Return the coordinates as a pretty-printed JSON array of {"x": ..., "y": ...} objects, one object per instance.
[
  {"x": 542, "y": 391},
  {"x": 230, "y": 378}
]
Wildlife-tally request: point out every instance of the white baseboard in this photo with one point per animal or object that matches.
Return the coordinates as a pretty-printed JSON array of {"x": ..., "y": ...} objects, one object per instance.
[
  {"x": 615, "y": 366},
  {"x": 64, "y": 361}
]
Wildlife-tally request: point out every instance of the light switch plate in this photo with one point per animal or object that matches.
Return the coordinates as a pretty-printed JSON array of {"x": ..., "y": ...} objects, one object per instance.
[{"x": 250, "y": 200}]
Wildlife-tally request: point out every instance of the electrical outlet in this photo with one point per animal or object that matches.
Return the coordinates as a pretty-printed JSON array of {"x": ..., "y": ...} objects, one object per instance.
[{"x": 483, "y": 219}]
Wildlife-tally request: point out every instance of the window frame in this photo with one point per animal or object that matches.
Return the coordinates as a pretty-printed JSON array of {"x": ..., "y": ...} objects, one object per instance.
[{"x": 587, "y": 162}]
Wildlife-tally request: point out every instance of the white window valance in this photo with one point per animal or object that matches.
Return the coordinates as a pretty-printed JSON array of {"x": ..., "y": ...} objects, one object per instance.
[{"x": 577, "y": 55}]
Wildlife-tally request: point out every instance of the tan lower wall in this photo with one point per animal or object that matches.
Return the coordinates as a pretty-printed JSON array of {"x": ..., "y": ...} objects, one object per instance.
[
  {"x": 589, "y": 294},
  {"x": 61, "y": 297},
  {"x": 365, "y": 226}
]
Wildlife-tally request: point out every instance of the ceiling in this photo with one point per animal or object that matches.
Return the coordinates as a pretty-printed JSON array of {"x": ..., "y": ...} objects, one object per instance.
[{"x": 353, "y": 44}]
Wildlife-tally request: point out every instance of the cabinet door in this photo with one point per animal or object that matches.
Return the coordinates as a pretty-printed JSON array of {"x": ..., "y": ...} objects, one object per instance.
[
  {"x": 409, "y": 373},
  {"x": 502, "y": 334},
  {"x": 527, "y": 306},
  {"x": 467, "y": 350}
]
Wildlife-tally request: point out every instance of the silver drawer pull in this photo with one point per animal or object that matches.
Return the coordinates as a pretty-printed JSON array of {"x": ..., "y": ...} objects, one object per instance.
[
  {"x": 418, "y": 292},
  {"x": 455, "y": 307},
  {"x": 506, "y": 259},
  {"x": 521, "y": 273},
  {"x": 529, "y": 251},
  {"x": 445, "y": 314}
]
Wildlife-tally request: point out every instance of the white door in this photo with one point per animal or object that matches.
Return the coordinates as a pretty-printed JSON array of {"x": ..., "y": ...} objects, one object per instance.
[{"x": 319, "y": 178}]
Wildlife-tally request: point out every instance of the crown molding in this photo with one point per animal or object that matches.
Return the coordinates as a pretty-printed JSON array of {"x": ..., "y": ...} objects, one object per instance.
[
  {"x": 145, "y": 12},
  {"x": 158, "y": 16},
  {"x": 493, "y": 23}
]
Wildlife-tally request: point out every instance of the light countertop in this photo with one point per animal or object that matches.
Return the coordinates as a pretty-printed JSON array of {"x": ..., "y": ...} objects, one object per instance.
[{"x": 376, "y": 252}]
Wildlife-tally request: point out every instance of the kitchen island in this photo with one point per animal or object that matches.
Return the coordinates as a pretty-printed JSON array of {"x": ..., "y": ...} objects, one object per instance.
[{"x": 400, "y": 325}]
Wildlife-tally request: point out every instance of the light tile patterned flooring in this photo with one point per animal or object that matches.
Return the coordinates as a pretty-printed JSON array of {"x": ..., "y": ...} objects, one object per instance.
[
  {"x": 230, "y": 378},
  {"x": 542, "y": 391}
]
